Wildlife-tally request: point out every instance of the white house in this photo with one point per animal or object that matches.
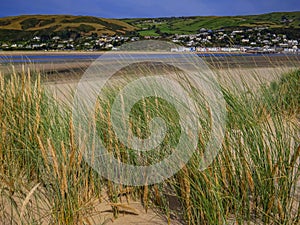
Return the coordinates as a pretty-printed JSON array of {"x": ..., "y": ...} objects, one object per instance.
[
  {"x": 245, "y": 40},
  {"x": 36, "y": 38},
  {"x": 56, "y": 38}
]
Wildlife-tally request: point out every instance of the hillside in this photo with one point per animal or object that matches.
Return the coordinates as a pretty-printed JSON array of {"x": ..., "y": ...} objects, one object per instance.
[
  {"x": 46, "y": 26},
  {"x": 188, "y": 25},
  {"x": 25, "y": 27}
]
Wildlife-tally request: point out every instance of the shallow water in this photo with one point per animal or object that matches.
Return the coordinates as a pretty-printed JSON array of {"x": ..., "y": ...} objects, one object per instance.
[{"x": 55, "y": 58}]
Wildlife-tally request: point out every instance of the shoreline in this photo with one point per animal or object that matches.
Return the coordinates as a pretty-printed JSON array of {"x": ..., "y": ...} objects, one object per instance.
[
  {"x": 13, "y": 53},
  {"x": 71, "y": 66},
  {"x": 74, "y": 52}
]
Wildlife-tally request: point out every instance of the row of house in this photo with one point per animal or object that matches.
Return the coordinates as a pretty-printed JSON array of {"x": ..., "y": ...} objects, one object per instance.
[
  {"x": 258, "y": 39},
  {"x": 57, "y": 43},
  {"x": 245, "y": 40}
]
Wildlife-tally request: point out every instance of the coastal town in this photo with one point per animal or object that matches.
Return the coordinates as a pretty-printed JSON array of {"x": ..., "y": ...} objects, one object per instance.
[{"x": 247, "y": 40}]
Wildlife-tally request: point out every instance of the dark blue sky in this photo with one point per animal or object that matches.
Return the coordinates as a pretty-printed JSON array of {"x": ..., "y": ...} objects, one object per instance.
[{"x": 145, "y": 8}]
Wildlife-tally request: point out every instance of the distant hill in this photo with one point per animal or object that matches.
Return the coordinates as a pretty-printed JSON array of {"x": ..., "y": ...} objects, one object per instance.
[
  {"x": 188, "y": 25},
  {"x": 66, "y": 26},
  {"x": 24, "y": 27}
]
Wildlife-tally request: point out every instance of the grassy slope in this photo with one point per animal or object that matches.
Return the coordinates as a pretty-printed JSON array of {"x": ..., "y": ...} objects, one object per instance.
[
  {"x": 30, "y": 25},
  {"x": 27, "y": 26},
  {"x": 193, "y": 24}
]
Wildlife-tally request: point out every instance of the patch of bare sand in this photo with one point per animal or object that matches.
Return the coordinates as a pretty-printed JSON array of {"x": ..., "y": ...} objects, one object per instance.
[
  {"x": 236, "y": 79},
  {"x": 129, "y": 214},
  {"x": 241, "y": 79},
  {"x": 33, "y": 204}
]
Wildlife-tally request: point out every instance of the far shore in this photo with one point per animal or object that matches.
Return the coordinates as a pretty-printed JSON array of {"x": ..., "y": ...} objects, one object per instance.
[
  {"x": 74, "y": 52},
  {"x": 3, "y": 53}
]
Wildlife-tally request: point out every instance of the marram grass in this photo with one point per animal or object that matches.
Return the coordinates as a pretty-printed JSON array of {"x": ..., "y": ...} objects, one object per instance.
[{"x": 255, "y": 177}]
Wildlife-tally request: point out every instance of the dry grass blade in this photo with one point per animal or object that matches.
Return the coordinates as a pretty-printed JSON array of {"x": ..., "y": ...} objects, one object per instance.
[
  {"x": 54, "y": 158},
  {"x": 145, "y": 197},
  {"x": 125, "y": 207},
  {"x": 27, "y": 199},
  {"x": 44, "y": 154}
]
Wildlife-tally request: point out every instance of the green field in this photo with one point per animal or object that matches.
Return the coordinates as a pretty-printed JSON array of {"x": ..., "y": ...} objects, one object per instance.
[{"x": 190, "y": 25}]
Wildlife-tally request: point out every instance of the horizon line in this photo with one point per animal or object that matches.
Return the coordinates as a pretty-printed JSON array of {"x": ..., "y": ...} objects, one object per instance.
[{"x": 169, "y": 16}]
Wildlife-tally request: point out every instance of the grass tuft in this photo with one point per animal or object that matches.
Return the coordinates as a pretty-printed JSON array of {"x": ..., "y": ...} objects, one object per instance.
[{"x": 255, "y": 177}]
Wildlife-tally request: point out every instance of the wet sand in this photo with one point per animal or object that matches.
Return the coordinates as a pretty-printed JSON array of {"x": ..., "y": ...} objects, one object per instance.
[
  {"x": 62, "y": 77},
  {"x": 70, "y": 69}
]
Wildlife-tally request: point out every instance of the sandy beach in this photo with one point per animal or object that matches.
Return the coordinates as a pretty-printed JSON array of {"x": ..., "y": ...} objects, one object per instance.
[
  {"x": 70, "y": 68},
  {"x": 62, "y": 76}
]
